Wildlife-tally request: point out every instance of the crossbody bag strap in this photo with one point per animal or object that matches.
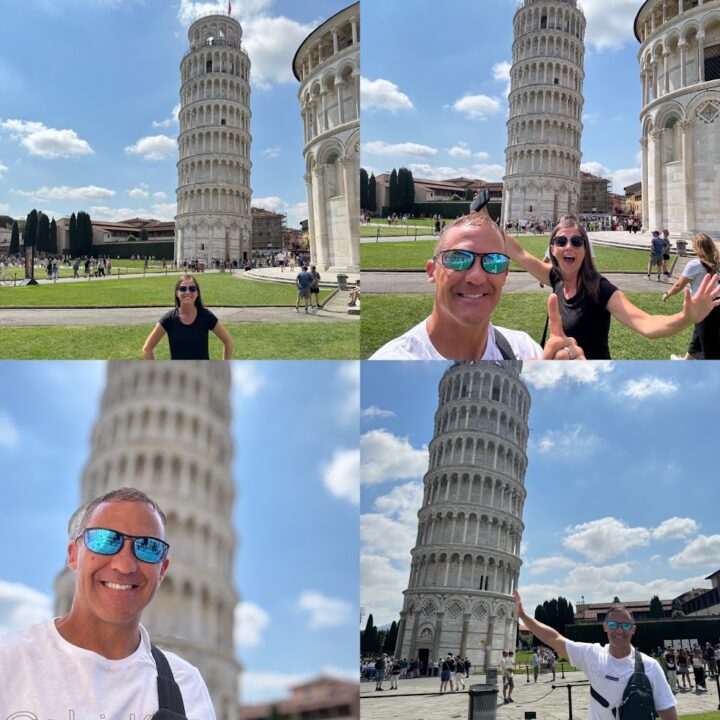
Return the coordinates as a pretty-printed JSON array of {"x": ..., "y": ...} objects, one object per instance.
[
  {"x": 169, "y": 695},
  {"x": 503, "y": 346},
  {"x": 597, "y": 696}
]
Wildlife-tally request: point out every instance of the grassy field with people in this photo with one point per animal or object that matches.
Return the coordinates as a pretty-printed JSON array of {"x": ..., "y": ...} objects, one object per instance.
[
  {"x": 412, "y": 255},
  {"x": 387, "y": 316}
]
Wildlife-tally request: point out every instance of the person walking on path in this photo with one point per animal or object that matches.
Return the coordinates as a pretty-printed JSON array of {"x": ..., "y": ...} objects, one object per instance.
[
  {"x": 657, "y": 250},
  {"x": 315, "y": 287},
  {"x": 459, "y": 670},
  {"x": 302, "y": 282},
  {"x": 535, "y": 664},
  {"x": 507, "y": 665}
]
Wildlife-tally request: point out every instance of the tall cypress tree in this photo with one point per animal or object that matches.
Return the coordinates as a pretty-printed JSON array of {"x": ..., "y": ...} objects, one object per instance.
[
  {"x": 391, "y": 639},
  {"x": 14, "y": 239},
  {"x": 43, "y": 233},
  {"x": 143, "y": 235},
  {"x": 372, "y": 196},
  {"x": 394, "y": 194},
  {"x": 656, "y": 608},
  {"x": 406, "y": 190},
  {"x": 73, "y": 237},
  {"x": 52, "y": 240},
  {"x": 363, "y": 189},
  {"x": 31, "y": 227}
]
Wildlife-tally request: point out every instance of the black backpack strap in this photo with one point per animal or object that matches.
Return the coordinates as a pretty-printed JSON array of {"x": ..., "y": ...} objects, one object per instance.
[
  {"x": 169, "y": 695},
  {"x": 503, "y": 346}
]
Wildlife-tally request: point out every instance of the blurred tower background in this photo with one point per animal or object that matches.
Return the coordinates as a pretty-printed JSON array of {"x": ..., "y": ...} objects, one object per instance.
[
  {"x": 213, "y": 196},
  {"x": 542, "y": 158},
  {"x": 466, "y": 559},
  {"x": 164, "y": 428}
]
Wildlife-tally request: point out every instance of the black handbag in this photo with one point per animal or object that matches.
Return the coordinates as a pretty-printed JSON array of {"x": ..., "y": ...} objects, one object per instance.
[{"x": 169, "y": 695}]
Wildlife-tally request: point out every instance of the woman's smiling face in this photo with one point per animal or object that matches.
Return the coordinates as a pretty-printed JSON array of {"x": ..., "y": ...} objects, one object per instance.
[{"x": 569, "y": 258}]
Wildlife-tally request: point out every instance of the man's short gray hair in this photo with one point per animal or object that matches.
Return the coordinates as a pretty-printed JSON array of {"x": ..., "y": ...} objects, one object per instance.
[{"x": 78, "y": 520}]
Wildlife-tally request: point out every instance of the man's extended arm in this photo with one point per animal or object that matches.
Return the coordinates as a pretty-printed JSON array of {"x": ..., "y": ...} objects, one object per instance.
[
  {"x": 543, "y": 632},
  {"x": 669, "y": 714}
]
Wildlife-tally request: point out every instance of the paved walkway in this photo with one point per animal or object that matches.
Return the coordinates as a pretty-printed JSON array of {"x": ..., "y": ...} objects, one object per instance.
[{"x": 419, "y": 699}]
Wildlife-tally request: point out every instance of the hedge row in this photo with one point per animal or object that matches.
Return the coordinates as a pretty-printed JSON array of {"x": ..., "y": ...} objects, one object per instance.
[
  {"x": 448, "y": 210},
  {"x": 161, "y": 249}
]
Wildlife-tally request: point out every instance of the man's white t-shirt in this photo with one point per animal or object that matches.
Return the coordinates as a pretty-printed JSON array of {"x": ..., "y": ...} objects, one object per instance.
[
  {"x": 44, "y": 677},
  {"x": 415, "y": 344},
  {"x": 609, "y": 676}
]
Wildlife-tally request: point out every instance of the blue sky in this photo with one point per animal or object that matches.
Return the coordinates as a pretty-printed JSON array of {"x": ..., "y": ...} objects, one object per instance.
[
  {"x": 435, "y": 83},
  {"x": 88, "y": 96},
  {"x": 296, "y": 515},
  {"x": 622, "y": 492}
]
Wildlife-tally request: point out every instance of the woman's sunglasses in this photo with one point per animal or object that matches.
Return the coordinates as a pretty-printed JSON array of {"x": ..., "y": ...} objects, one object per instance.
[
  {"x": 110, "y": 542},
  {"x": 492, "y": 263},
  {"x": 626, "y": 626},
  {"x": 187, "y": 288},
  {"x": 576, "y": 241}
]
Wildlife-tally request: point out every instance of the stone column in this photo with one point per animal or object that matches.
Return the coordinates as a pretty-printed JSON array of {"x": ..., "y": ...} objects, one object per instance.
[
  {"x": 701, "y": 56},
  {"x": 341, "y": 110},
  {"x": 657, "y": 135},
  {"x": 413, "y": 636},
  {"x": 400, "y": 635},
  {"x": 353, "y": 25},
  {"x": 489, "y": 641},
  {"x": 324, "y": 115},
  {"x": 438, "y": 632},
  {"x": 686, "y": 127},
  {"x": 311, "y": 217},
  {"x": 645, "y": 210},
  {"x": 335, "y": 46},
  {"x": 463, "y": 640},
  {"x": 666, "y": 74},
  {"x": 682, "y": 45},
  {"x": 321, "y": 239}
]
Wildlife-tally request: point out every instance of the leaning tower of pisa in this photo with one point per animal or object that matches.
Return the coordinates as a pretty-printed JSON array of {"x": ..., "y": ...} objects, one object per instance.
[
  {"x": 213, "y": 218},
  {"x": 466, "y": 559},
  {"x": 164, "y": 428},
  {"x": 542, "y": 158}
]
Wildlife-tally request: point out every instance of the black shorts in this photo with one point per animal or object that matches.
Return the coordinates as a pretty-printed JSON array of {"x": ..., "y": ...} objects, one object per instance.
[{"x": 315, "y": 290}]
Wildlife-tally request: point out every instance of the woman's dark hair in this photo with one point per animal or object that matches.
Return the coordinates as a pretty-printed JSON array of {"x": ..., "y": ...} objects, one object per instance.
[
  {"x": 198, "y": 298},
  {"x": 588, "y": 277}
]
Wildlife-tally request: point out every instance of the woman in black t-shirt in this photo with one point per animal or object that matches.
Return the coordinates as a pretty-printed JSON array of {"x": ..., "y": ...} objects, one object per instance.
[
  {"x": 188, "y": 326},
  {"x": 587, "y": 300}
]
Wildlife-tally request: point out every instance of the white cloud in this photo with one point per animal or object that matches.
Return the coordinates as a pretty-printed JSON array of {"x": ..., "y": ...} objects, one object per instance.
[
  {"x": 402, "y": 503},
  {"x": 68, "y": 193},
  {"x": 571, "y": 441},
  {"x": 383, "y": 94},
  {"x": 4, "y": 208},
  {"x": 153, "y": 147},
  {"x": 3, "y": 169},
  {"x": 381, "y": 587},
  {"x": 271, "y": 152},
  {"x": 164, "y": 211},
  {"x": 383, "y": 536},
  {"x": 21, "y": 606},
  {"x": 160, "y": 195},
  {"x": 609, "y": 22},
  {"x": 462, "y": 149},
  {"x": 172, "y": 120},
  {"x": 589, "y": 118},
  {"x": 674, "y": 527},
  {"x": 46, "y": 142},
  {"x": 376, "y": 412},
  {"x": 349, "y": 376},
  {"x": 103, "y": 212},
  {"x": 138, "y": 192},
  {"x": 378, "y": 147},
  {"x": 501, "y": 72},
  {"x": 477, "y": 107},
  {"x": 648, "y": 387},
  {"x": 295, "y": 213},
  {"x": 267, "y": 687},
  {"x": 342, "y": 475},
  {"x": 250, "y": 621},
  {"x": 325, "y": 612},
  {"x": 9, "y": 433},
  {"x": 545, "y": 375},
  {"x": 595, "y": 168},
  {"x": 703, "y": 550},
  {"x": 430, "y": 172},
  {"x": 247, "y": 378},
  {"x": 387, "y": 457},
  {"x": 549, "y": 564},
  {"x": 600, "y": 540},
  {"x": 620, "y": 179}
]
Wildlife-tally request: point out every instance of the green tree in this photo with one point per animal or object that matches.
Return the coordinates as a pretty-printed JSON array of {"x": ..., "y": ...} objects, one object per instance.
[
  {"x": 14, "y": 239},
  {"x": 73, "y": 236},
  {"x": 43, "y": 233},
  {"x": 394, "y": 191},
  {"x": 455, "y": 197},
  {"x": 656, "y": 608},
  {"x": 143, "y": 235},
  {"x": 275, "y": 714},
  {"x": 363, "y": 189},
  {"x": 366, "y": 634},
  {"x": 84, "y": 232},
  {"x": 616, "y": 599},
  {"x": 6, "y": 221},
  {"x": 31, "y": 226},
  {"x": 52, "y": 240},
  {"x": 469, "y": 193},
  {"x": 406, "y": 191},
  {"x": 372, "y": 193},
  {"x": 391, "y": 639}
]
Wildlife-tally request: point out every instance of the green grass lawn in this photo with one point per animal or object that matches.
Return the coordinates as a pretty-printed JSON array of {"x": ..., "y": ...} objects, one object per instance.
[
  {"x": 414, "y": 255},
  {"x": 268, "y": 341},
  {"x": 217, "y": 290},
  {"x": 387, "y": 316},
  {"x": 123, "y": 267}
]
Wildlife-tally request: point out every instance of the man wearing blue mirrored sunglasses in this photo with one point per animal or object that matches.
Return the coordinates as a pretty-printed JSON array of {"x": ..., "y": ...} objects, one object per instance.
[
  {"x": 608, "y": 667},
  {"x": 97, "y": 660},
  {"x": 468, "y": 269}
]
